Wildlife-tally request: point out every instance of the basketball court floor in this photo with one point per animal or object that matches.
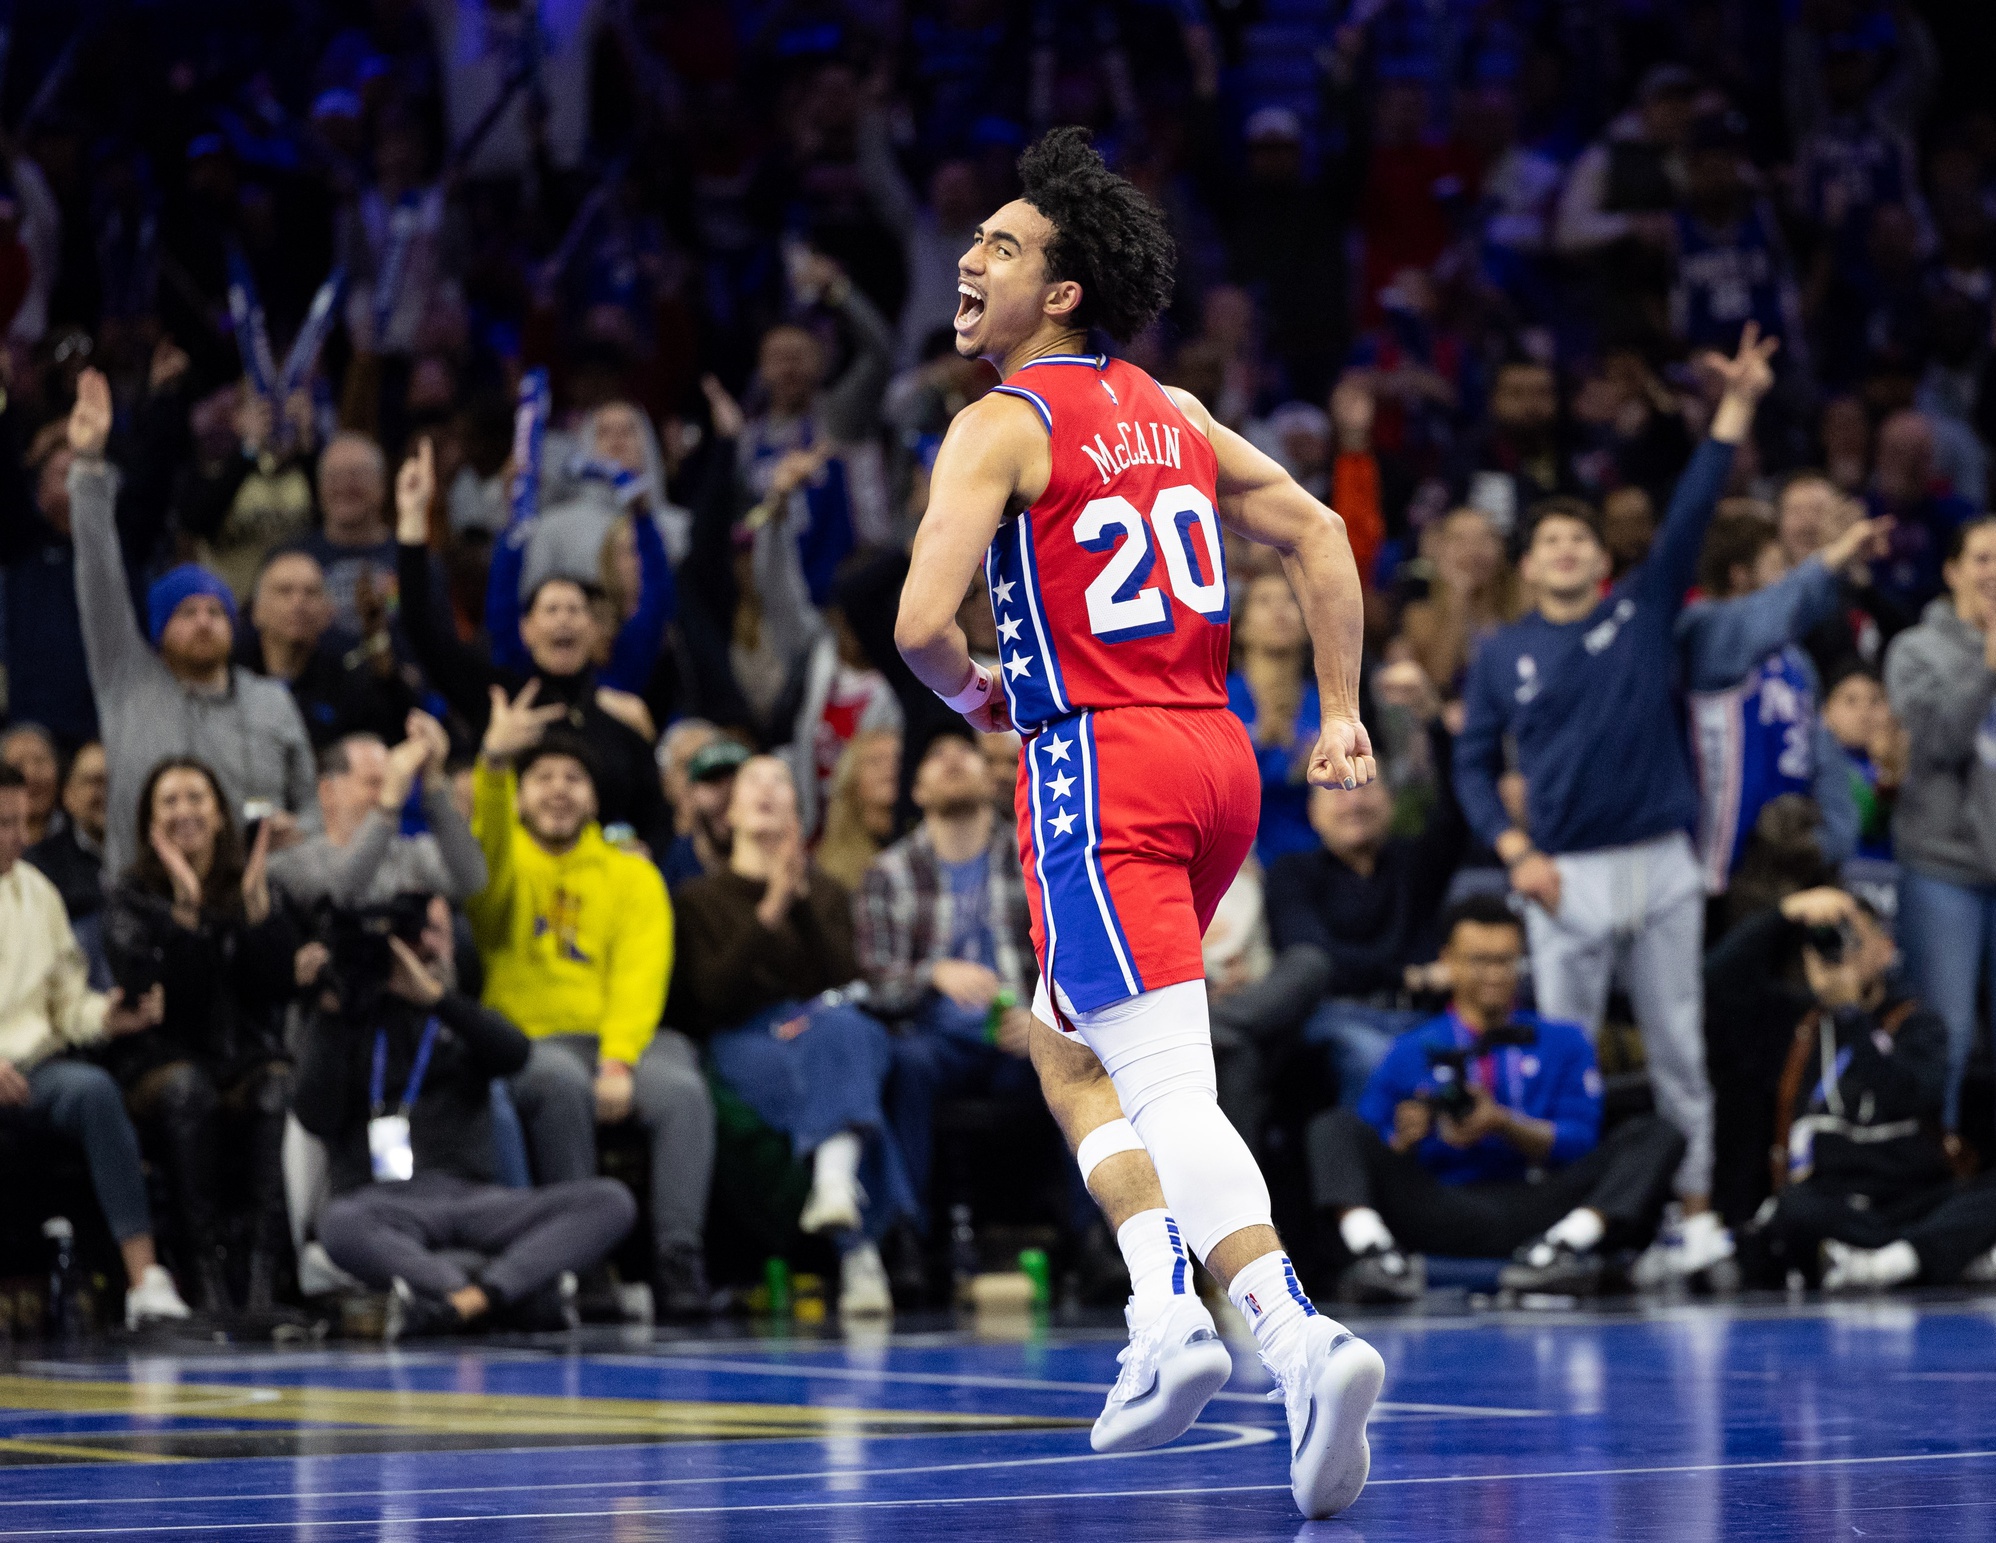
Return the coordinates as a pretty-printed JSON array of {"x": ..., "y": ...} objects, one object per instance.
[{"x": 1764, "y": 1419}]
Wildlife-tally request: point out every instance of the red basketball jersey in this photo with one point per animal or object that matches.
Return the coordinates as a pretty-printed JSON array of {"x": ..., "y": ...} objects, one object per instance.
[{"x": 1111, "y": 591}]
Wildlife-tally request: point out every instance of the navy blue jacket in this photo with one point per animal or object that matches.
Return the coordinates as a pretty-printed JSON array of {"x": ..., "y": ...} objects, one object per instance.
[{"x": 1594, "y": 706}]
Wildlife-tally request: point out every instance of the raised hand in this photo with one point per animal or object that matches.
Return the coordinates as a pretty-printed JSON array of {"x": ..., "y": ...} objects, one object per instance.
[
  {"x": 415, "y": 490},
  {"x": 517, "y": 725},
  {"x": 90, "y": 418},
  {"x": 405, "y": 764},
  {"x": 181, "y": 875},
  {"x": 419, "y": 725},
  {"x": 726, "y": 412},
  {"x": 1749, "y": 373},
  {"x": 256, "y": 877}
]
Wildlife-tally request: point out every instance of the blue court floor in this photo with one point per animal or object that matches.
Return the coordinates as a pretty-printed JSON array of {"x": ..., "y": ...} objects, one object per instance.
[{"x": 1762, "y": 1420}]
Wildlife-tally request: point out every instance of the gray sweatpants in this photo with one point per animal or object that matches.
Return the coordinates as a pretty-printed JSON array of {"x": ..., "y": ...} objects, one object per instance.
[
  {"x": 556, "y": 1097},
  {"x": 1638, "y": 911},
  {"x": 528, "y": 1236}
]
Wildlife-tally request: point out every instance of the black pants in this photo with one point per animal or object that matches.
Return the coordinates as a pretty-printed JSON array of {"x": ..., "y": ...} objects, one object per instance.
[
  {"x": 1626, "y": 1178},
  {"x": 185, "y": 1120},
  {"x": 1948, "y": 1225},
  {"x": 1254, "y": 1027}
]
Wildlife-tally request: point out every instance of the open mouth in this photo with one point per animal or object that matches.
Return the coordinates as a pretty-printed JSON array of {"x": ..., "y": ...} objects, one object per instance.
[{"x": 969, "y": 306}]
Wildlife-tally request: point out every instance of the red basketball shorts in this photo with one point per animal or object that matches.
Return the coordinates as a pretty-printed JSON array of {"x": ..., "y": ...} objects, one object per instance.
[{"x": 1132, "y": 823}]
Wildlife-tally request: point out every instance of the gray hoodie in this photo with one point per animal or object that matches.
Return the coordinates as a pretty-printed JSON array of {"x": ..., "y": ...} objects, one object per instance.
[
  {"x": 249, "y": 735},
  {"x": 1945, "y": 823}
]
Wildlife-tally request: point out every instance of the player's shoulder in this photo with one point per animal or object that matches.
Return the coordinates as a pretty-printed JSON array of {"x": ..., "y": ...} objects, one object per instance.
[{"x": 1001, "y": 416}]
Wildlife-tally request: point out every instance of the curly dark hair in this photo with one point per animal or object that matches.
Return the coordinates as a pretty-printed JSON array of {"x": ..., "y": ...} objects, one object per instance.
[{"x": 1108, "y": 237}]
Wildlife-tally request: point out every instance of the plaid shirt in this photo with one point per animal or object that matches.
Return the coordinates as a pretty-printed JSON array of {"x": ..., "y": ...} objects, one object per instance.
[{"x": 903, "y": 920}]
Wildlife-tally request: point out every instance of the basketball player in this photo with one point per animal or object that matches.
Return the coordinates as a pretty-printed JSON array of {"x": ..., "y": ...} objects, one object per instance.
[{"x": 1093, "y": 499}]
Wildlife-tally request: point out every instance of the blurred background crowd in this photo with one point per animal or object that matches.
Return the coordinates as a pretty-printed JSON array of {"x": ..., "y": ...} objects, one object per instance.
[{"x": 457, "y": 464}]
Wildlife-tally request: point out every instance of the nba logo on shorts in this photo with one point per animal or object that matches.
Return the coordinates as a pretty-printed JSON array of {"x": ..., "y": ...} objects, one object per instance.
[{"x": 1253, "y": 1306}]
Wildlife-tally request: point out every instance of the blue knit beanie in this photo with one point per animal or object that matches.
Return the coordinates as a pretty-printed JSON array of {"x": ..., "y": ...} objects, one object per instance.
[{"x": 183, "y": 583}]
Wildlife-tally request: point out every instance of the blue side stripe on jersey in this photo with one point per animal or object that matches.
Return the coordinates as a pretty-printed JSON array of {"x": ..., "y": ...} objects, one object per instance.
[
  {"x": 1048, "y": 923},
  {"x": 1030, "y": 675},
  {"x": 1091, "y": 963},
  {"x": 1054, "y": 685},
  {"x": 1038, "y": 401}
]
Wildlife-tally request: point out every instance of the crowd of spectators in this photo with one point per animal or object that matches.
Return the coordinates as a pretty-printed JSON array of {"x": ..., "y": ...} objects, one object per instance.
[{"x": 457, "y": 466}]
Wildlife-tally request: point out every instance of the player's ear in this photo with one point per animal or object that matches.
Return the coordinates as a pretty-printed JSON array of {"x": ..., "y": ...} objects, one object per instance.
[{"x": 1062, "y": 300}]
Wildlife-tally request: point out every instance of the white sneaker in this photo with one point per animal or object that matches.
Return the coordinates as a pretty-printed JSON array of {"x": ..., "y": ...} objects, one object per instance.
[
  {"x": 1328, "y": 1393},
  {"x": 1981, "y": 1269},
  {"x": 318, "y": 1276},
  {"x": 863, "y": 1289},
  {"x": 1171, "y": 1367},
  {"x": 1686, "y": 1246},
  {"x": 831, "y": 1208},
  {"x": 1840, "y": 1272},
  {"x": 153, "y": 1298}
]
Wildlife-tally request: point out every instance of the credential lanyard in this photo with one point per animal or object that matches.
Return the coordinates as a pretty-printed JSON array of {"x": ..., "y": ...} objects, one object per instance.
[{"x": 416, "y": 1070}]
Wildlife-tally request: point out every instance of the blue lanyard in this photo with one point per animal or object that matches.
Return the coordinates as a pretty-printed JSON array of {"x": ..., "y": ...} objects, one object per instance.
[
  {"x": 416, "y": 1069},
  {"x": 1467, "y": 1038}
]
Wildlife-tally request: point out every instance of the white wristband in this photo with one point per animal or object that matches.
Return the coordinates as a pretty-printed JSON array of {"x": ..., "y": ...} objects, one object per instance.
[{"x": 974, "y": 695}]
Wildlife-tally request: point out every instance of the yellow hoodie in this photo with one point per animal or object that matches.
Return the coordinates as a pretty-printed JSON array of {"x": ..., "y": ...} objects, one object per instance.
[{"x": 575, "y": 944}]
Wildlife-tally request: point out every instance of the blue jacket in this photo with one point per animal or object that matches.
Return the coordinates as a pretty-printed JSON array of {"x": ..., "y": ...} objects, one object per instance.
[
  {"x": 1554, "y": 1080},
  {"x": 1285, "y": 796},
  {"x": 1593, "y": 705}
]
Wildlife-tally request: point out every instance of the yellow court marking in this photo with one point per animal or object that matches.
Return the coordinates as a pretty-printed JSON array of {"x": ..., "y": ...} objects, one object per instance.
[
  {"x": 492, "y": 1414},
  {"x": 83, "y": 1454}
]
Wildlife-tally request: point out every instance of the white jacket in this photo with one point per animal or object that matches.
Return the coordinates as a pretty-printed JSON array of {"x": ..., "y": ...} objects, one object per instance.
[{"x": 45, "y": 1004}]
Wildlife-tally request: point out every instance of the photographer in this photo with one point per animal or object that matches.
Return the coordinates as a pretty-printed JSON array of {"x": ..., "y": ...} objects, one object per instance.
[
  {"x": 363, "y": 858},
  {"x": 1479, "y": 1135},
  {"x": 412, "y": 1170},
  {"x": 1863, "y": 1175},
  {"x": 194, "y": 914}
]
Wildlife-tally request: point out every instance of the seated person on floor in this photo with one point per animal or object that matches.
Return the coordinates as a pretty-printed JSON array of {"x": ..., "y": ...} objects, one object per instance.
[
  {"x": 764, "y": 954},
  {"x": 576, "y": 937},
  {"x": 1479, "y": 1135},
  {"x": 45, "y": 1009},
  {"x": 1866, "y": 1189},
  {"x": 396, "y": 1079}
]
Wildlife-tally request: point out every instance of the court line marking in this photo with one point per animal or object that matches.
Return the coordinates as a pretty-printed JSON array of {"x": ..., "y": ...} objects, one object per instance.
[
  {"x": 298, "y": 1524},
  {"x": 91, "y": 1454},
  {"x": 1023, "y": 1384},
  {"x": 1239, "y": 1436}
]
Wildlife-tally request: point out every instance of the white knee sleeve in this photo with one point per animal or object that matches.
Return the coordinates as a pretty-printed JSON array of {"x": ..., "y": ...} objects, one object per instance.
[{"x": 1158, "y": 1051}]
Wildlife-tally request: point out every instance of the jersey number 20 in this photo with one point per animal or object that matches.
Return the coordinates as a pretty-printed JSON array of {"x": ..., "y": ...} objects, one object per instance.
[{"x": 1121, "y": 604}]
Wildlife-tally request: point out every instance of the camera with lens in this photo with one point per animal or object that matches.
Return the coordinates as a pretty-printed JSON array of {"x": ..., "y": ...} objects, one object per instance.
[
  {"x": 1830, "y": 941},
  {"x": 1448, "y": 1067},
  {"x": 357, "y": 939}
]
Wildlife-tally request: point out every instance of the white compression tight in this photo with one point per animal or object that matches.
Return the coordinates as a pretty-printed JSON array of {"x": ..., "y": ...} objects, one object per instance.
[{"x": 1158, "y": 1051}]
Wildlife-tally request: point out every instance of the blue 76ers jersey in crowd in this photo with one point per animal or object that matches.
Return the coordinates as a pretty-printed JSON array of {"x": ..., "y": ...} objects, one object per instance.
[
  {"x": 1111, "y": 591},
  {"x": 1754, "y": 742}
]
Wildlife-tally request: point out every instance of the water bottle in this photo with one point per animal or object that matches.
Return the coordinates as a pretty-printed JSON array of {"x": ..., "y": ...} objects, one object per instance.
[
  {"x": 962, "y": 1249},
  {"x": 1001, "y": 1004},
  {"x": 62, "y": 1277}
]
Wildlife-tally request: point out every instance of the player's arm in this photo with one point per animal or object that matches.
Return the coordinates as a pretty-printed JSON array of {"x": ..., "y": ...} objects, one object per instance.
[
  {"x": 1262, "y": 502},
  {"x": 995, "y": 451}
]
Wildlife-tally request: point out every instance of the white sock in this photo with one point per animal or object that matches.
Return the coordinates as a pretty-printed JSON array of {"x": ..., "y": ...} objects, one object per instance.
[
  {"x": 1364, "y": 1229},
  {"x": 835, "y": 1165},
  {"x": 1159, "y": 1269},
  {"x": 1269, "y": 1297},
  {"x": 1580, "y": 1230}
]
